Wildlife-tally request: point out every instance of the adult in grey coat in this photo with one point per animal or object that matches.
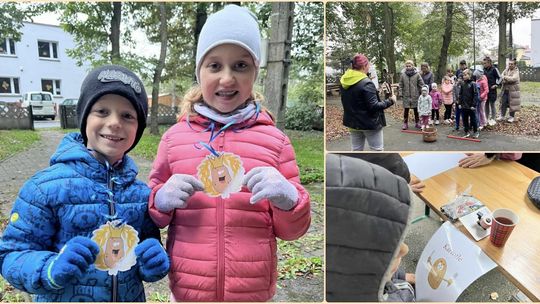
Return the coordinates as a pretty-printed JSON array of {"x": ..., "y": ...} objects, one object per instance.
[
  {"x": 367, "y": 210},
  {"x": 410, "y": 87}
]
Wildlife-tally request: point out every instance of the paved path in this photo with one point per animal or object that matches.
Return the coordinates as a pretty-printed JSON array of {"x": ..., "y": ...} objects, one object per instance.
[{"x": 15, "y": 170}]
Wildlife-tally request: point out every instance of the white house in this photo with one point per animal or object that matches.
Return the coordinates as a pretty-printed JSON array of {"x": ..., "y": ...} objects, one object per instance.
[
  {"x": 39, "y": 63},
  {"x": 535, "y": 43}
]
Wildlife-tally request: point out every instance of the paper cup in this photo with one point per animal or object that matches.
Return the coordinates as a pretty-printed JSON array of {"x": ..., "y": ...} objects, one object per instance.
[{"x": 504, "y": 221}]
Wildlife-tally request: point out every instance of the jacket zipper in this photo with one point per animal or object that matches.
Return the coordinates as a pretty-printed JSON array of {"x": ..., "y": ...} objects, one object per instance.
[
  {"x": 221, "y": 238},
  {"x": 112, "y": 212}
]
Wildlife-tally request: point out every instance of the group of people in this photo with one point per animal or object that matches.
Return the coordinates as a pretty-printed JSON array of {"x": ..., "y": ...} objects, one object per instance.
[
  {"x": 469, "y": 96},
  {"x": 85, "y": 229}
]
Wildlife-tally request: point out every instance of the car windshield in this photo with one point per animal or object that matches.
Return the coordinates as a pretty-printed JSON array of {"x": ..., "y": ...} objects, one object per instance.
[{"x": 39, "y": 97}]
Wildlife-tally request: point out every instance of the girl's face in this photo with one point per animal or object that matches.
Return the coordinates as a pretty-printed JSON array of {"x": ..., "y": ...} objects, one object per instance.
[
  {"x": 227, "y": 76},
  {"x": 466, "y": 76},
  {"x": 447, "y": 81}
]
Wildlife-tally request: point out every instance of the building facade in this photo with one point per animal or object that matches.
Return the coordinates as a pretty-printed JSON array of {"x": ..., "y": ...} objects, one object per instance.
[
  {"x": 535, "y": 43},
  {"x": 39, "y": 62}
]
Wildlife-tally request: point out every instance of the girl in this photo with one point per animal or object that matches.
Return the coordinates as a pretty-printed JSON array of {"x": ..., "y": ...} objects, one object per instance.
[
  {"x": 482, "y": 82},
  {"x": 447, "y": 90},
  {"x": 436, "y": 101},
  {"x": 424, "y": 107},
  {"x": 222, "y": 236}
]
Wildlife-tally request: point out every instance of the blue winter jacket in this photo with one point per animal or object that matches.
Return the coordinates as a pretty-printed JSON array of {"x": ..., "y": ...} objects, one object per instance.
[{"x": 70, "y": 199}]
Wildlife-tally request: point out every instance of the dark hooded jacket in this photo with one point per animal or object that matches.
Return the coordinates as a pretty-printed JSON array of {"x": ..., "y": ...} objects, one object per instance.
[{"x": 367, "y": 210}]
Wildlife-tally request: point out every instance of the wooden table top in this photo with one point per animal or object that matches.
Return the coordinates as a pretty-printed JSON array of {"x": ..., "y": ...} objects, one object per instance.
[{"x": 501, "y": 184}]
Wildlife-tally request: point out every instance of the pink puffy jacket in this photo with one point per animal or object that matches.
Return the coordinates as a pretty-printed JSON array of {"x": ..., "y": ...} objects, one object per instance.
[{"x": 225, "y": 249}]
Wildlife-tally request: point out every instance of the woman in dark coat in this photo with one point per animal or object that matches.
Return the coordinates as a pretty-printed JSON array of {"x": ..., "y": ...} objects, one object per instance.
[{"x": 363, "y": 109}]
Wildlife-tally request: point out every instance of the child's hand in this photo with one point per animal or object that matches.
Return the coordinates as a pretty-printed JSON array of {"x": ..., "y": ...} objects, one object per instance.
[
  {"x": 268, "y": 183},
  {"x": 153, "y": 260},
  {"x": 176, "y": 191},
  {"x": 72, "y": 261}
]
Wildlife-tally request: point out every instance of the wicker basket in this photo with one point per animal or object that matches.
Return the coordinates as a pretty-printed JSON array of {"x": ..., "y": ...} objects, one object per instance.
[{"x": 429, "y": 134}]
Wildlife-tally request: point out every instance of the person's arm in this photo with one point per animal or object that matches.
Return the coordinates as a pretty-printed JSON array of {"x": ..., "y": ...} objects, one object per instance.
[
  {"x": 474, "y": 160},
  {"x": 514, "y": 78},
  {"x": 159, "y": 175},
  {"x": 25, "y": 248},
  {"x": 291, "y": 224},
  {"x": 373, "y": 103}
]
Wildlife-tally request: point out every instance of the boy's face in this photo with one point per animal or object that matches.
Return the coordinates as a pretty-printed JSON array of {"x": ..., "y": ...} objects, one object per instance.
[
  {"x": 111, "y": 126},
  {"x": 227, "y": 76}
]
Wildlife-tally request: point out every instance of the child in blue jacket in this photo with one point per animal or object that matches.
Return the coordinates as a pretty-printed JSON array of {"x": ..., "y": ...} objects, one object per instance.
[{"x": 80, "y": 230}]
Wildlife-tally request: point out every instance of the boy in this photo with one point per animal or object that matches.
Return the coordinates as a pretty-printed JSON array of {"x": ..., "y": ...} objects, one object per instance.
[
  {"x": 89, "y": 195},
  {"x": 467, "y": 103}
]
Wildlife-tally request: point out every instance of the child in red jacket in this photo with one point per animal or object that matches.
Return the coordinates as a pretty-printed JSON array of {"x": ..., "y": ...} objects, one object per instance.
[{"x": 225, "y": 179}]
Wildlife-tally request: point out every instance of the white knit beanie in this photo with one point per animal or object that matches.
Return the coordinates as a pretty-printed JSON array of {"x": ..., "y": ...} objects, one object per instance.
[{"x": 231, "y": 25}]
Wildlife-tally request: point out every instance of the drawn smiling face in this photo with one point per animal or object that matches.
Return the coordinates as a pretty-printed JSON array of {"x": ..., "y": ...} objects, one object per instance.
[
  {"x": 220, "y": 178},
  {"x": 114, "y": 251},
  {"x": 437, "y": 272}
]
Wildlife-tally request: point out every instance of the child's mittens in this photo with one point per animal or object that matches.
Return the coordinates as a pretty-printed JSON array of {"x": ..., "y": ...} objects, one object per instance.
[
  {"x": 153, "y": 260},
  {"x": 176, "y": 191},
  {"x": 268, "y": 183},
  {"x": 72, "y": 261}
]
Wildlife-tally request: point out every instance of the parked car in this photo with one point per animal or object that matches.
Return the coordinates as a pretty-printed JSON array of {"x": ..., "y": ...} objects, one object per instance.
[
  {"x": 69, "y": 102},
  {"x": 42, "y": 103}
]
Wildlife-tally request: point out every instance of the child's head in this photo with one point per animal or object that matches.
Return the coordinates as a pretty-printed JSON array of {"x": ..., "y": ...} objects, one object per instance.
[
  {"x": 447, "y": 80},
  {"x": 466, "y": 74},
  {"x": 449, "y": 72},
  {"x": 425, "y": 90},
  {"x": 112, "y": 111},
  {"x": 478, "y": 74},
  {"x": 228, "y": 55},
  {"x": 434, "y": 86}
]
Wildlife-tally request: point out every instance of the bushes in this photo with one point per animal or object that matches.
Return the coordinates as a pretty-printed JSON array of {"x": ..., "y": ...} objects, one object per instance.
[{"x": 304, "y": 117}]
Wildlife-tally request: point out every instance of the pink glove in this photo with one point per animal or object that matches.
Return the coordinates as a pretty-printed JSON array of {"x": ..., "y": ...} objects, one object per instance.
[
  {"x": 176, "y": 191},
  {"x": 268, "y": 183}
]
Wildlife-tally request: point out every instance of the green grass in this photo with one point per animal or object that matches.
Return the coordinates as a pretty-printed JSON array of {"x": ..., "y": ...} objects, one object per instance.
[
  {"x": 14, "y": 141},
  {"x": 307, "y": 145},
  {"x": 529, "y": 87}
]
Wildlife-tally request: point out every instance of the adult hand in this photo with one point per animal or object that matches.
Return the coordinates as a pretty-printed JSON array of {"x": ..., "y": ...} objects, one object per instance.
[
  {"x": 72, "y": 261},
  {"x": 176, "y": 191},
  {"x": 153, "y": 260},
  {"x": 474, "y": 160},
  {"x": 417, "y": 186},
  {"x": 268, "y": 183}
]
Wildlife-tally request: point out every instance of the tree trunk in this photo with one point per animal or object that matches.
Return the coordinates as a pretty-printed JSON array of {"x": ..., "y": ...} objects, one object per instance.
[
  {"x": 200, "y": 19},
  {"x": 279, "y": 59},
  {"x": 115, "y": 32},
  {"x": 510, "y": 36},
  {"x": 389, "y": 41},
  {"x": 447, "y": 38},
  {"x": 154, "y": 129},
  {"x": 502, "y": 35}
]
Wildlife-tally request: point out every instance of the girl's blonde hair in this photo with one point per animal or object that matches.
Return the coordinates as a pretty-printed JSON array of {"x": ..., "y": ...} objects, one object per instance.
[{"x": 194, "y": 95}]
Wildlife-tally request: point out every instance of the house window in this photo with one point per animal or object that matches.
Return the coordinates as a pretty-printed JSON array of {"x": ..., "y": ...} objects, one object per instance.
[
  {"x": 51, "y": 85},
  {"x": 47, "y": 49},
  {"x": 7, "y": 46},
  {"x": 9, "y": 85}
]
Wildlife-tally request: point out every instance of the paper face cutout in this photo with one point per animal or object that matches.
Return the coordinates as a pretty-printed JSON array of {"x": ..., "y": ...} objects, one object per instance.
[
  {"x": 116, "y": 247},
  {"x": 437, "y": 273},
  {"x": 221, "y": 175}
]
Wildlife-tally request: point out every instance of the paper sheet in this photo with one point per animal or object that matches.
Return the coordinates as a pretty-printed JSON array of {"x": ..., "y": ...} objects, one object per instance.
[
  {"x": 449, "y": 263},
  {"x": 426, "y": 165}
]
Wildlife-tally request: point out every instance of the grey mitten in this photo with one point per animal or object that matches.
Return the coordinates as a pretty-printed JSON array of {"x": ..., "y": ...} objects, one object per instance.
[
  {"x": 268, "y": 183},
  {"x": 176, "y": 191}
]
